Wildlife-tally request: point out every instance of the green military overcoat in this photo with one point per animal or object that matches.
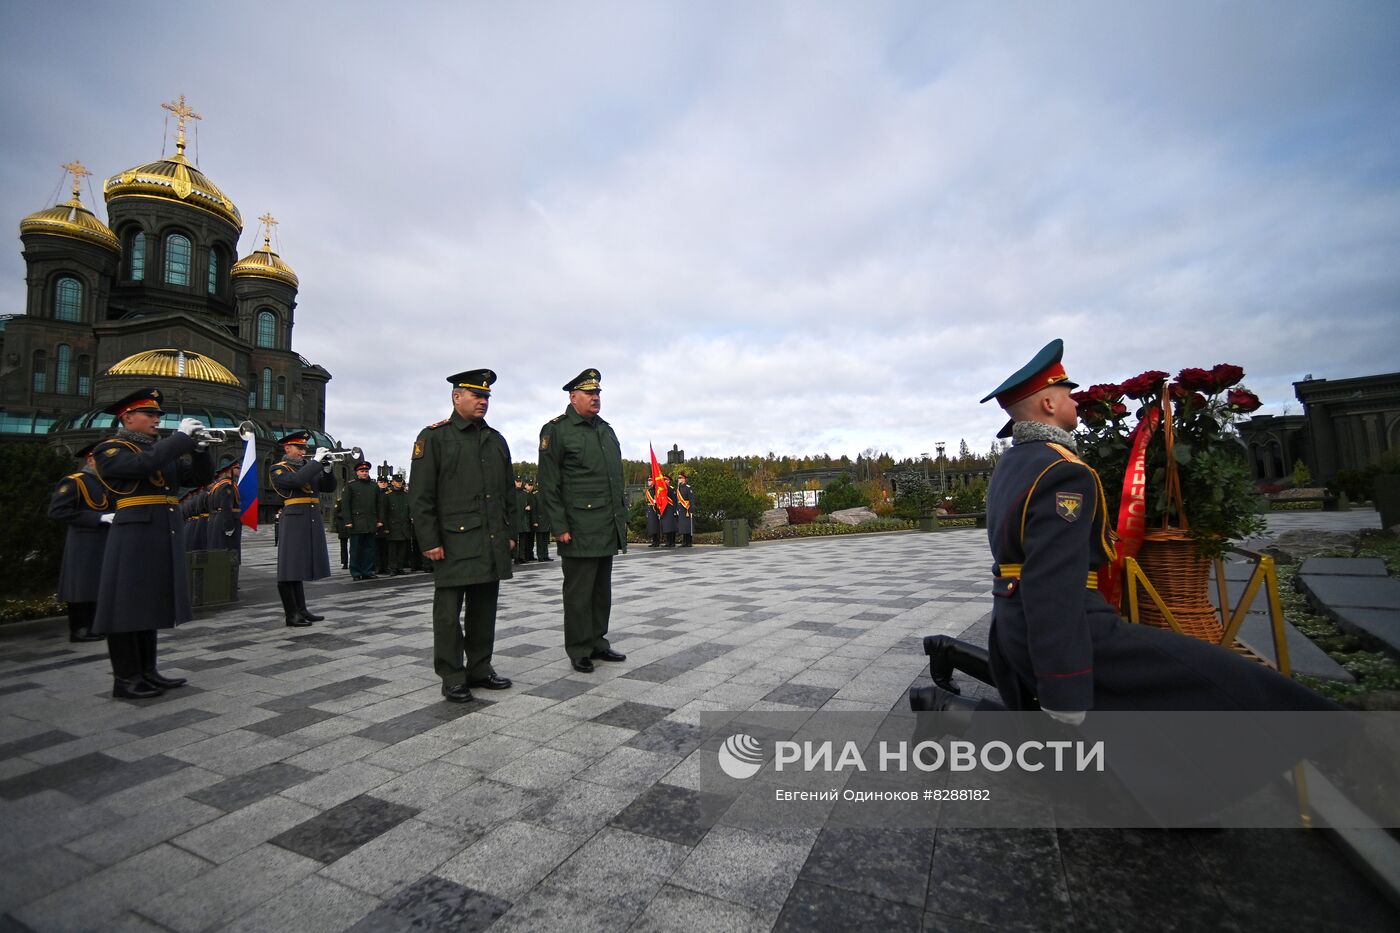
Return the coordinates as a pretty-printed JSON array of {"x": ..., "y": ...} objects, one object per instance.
[
  {"x": 581, "y": 485},
  {"x": 461, "y": 493}
]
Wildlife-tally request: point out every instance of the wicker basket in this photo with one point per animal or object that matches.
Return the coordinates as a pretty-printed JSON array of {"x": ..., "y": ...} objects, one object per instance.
[{"x": 1180, "y": 575}]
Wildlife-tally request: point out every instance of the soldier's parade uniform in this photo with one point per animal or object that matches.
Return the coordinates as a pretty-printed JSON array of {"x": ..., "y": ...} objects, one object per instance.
[
  {"x": 685, "y": 511},
  {"x": 668, "y": 513},
  {"x": 653, "y": 516},
  {"x": 360, "y": 514},
  {"x": 225, "y": 526},
  {"x": 463, "y": 502},
  {"x": 524, "y": 536},
  {"x": 582, "y": 491},
  {"x": 301, "y": 536},
  {"x": 143, "y": 586},
  {"x": 398, "y": 526},
  {"x": 539, "y": 526},
  {"x": 82, "y": 503}
]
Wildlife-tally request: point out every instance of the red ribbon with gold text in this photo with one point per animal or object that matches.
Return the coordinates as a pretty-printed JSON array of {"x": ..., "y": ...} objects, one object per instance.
[{"x": 1132, "y": 509}]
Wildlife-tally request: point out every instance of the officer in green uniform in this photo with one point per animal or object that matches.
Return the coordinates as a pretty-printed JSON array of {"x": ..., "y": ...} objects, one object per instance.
[
  {"x": 581, "y": 494},
  {"x": 540, "y": 524},
  {"x": 462, "y": 497},
  {"x": 397, "y": 525},
  {"x": 361, "y": 514}
]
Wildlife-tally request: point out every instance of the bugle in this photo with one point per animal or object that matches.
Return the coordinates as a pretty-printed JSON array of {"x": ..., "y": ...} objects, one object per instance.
[
  {"x": 224, "y": 435},
  {"x": 354, "y": 453}
]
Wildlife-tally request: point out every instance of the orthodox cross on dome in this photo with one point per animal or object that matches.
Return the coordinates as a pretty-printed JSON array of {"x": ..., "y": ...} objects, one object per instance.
[
  {"x": 183, "y": 112},
  {"x": 268, "y": 222},
  {"x": 79, "y": 172}
]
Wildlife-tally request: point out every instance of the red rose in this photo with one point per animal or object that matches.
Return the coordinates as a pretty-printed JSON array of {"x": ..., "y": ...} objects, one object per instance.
[
  {"x": 1106, "y": 392},
  {"x": 1198, "y": 380},
  {"x": 1224, "y": 375},
  {"x": 1119, "y": 409},
  {"x": 1243, "y": 400},
  {"x": 1145, "y": 384}
]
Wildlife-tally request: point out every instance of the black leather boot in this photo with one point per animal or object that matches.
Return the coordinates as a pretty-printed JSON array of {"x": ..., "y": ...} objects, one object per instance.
[
  {"x": 156, "y": 679},
  {"x": 134, "y": 688},
  {"x": 288, "y": 593},
  {"x": 306, "y": 614},
  {"x": 947, "y": 654}
]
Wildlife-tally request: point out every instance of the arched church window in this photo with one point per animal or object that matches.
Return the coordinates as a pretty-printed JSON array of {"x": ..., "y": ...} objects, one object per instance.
[
  {"x": 84, "y": 375},
  {"x": 68, "y": 299},
  {"x": 62, "y": 368},
  {"x": 281, "y": 393},
  {"x": 213, "y": 271},
  {"x": 138, "y": 256},
  {"x": 267, "y": 328},
  {"x": 177, "y": 259},
  {"x": 267, "y": 388},
  {"x": 41, "y": 371}
]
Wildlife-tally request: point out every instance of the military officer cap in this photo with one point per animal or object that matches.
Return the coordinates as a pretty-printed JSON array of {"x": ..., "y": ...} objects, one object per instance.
[
  {"x": 476, "y": 381},
  {"x": 1043, "y": 370},
  {"x": 398, "y": 477},
  {"x": 147, "y": 400},
  {"x": 227, "y": 462},
  {"x": 362, "y": 465},
  {"x": 296, "y": 437},
  {"x": 82, "y": 454},
  {"x": 587, "y": 381}
]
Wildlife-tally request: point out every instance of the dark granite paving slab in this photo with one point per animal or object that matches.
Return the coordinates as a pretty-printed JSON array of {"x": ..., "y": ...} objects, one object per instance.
[
  {"x": 637, "y": 716},
  {"x": 24, "y": 657},
  {"x": 800, "y": 695},
  {"x": 697, "y": 654},
  {"x": 818, "y": 907},
  {"x": 34, "y": 742},
  {"x": 322, "y": 641},
  {"x": 812, "y": 626},
  {"x": 564, "y": 688},
  {"x": 389, "y": 651},
  {"x": 159, "y": 724},
  {"x": 20, "y": 687},
  {"x": 295, "y": 664},
  {"x": 195, "y": 665},
  {"x": 657, "y": 672},
  {"x": 239, "y": 791},
  {"x": 57, "y": 776},
  {"x": 669, "y": 737},
  {"x": 837, "y": 631},
  {"x": 419, "y": 721},
  {"x": 55, "y": 665},
  {"x": 170, "y": 696},
  {"x": 121, "y": 776},
  {"x": 322, "y": 694},
  {"x": 433, "y": 903},
  {"x": 1380, "y": 624},
  {"x": 522, "y": 650},
  {"x": 676, "y": 814},
  {"x": 288, "y": 722},
  {"x": 343, "y": 828},
  {"x": 1357, "y": 592},
  {"x": 890, "y": 864},
  {"x": 511, "y": 631},
  {"x": 1008, "y": 879},
  {"x": 1343, "y": 566},
  {"x": 231, "y": 645}
]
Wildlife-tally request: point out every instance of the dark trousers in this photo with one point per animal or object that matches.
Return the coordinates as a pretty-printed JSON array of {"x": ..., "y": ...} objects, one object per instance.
[
  {"x": 541, "y": 545},
  {"x": 587, "y": 604},
  {"x": 344, "y": 551},
  {"x": 80, "y": 616},
  {"x": 132, "y": 653},
  {"x": 362, "y": 555},
  {"x": 525, "y": 545},
  {"x": 462, "y": 646},
  {"x": 398, "y": 556},
  {"x": 381, "y": 549}
]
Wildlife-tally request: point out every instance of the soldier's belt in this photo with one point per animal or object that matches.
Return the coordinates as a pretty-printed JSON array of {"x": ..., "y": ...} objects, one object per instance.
[
  {"x": 1013, "y": 572},
  {"x": 147, "y": 500},
  {"x": 301, "y": 500}
]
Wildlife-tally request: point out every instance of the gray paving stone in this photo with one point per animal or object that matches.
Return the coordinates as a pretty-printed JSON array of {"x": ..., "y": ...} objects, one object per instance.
[
  {"x": 426, "y": 785},
  {"x": 743, "y": 867},
  {"x": 1006, "y": 879},
  {"x": 235, "y": 833},
  {"x": 88, "y": 904},
  {"x": 39, "y": 872},
  {"x": 624, "y": 869},
  {"x": 676, "y": 909},
  {"x": 510, "y": 860},
  {"x": 398, "y": 858},
  {"x": 120, "y": 841},
  {"x": 224, "y": 894},
  {"x": 435, "y": 903},
  {"x": 480, "y": 806},
  {"x": 632, "y": 768},
  {"x": 816, "y": 906},
  {"x": 337, "y": 832},
  {"x": 312, "y": 905},
  {"x": 543, "y": 907},
  {"x": 676, "y": 814},
  {"x": 239, "y": 791},
  {"x": 541, "y": 769}
]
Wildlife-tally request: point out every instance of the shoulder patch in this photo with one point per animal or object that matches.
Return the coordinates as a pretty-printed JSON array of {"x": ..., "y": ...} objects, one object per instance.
[
  {"x": 418, "y": 446},
  {"x": 64, "y": 487},
  {"x": 544, "y": 442},
  {"x": 1069, "y": 505},
  {"x": 437, "y": 424}
]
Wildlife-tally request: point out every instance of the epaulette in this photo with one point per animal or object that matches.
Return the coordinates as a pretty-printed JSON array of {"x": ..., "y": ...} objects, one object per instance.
[
  {"x": 556, "y": 419},
  {"x": 1064, "y": 452},
  {"x": 438, "y": 424}
]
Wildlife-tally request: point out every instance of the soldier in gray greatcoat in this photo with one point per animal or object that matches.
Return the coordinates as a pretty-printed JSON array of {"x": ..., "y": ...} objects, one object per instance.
[
  {"x": 143, "y": 586},
  {"x": 225, "y": 528},
  {"x": 301, "y": 539},
  {"x": 685, "y": 510},
  {"x": 82, "y": 503}
]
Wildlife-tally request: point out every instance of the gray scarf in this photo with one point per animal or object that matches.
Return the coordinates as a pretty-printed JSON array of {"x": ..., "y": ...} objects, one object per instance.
[
  {"x": 145, "y": 440},
  {"x": 1024, "y": 432}
]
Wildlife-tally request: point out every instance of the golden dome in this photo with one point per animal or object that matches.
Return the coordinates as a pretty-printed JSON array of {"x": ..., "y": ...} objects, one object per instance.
[
  {"x": 176, "y": 179},
  {"x": 71, "y": 218},
  {"x": 265, "y": 263},
  {"x": 178, "y": 364}
]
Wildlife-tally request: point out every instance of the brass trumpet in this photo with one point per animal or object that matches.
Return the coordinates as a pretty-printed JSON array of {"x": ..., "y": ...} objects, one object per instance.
[
  {"x": 354, "y": 453},
  {"x": 224, "y": 435}
]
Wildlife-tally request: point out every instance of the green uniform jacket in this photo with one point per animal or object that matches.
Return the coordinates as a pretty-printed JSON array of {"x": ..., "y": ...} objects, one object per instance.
[
  {"x": 581, "y": 485},
  {"x": 396, "y": 515},
  {"x": 461, "y": 492},
  {"x": 538, "y": 516},
  {"x": 522, "y": 511},
  {"x": 362, "y": 506}
]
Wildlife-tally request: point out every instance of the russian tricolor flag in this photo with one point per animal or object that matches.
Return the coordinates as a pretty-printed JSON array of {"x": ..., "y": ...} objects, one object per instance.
[{"x": 248, "y": 483}]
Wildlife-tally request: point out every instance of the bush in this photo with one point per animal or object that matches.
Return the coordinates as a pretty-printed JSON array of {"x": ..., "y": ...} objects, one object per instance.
[
  {"x": 637, "y": 519},
  {"x": 972, "y": 497},
  {"x": 842, "y": 494},
  {"x": 720, "y": 494},
  {"x": 824, "y": 529},
  {"x": 1301, "y": 476},
  {"x": 916, "y": 498},
  {"x": 1360, "y": 484},
  {"x": 31, "y": 549},
  {"x": 802, "y": 514}
]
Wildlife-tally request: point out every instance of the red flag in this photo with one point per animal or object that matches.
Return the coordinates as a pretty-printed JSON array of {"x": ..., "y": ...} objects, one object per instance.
[
  {"x": 662, "y": 496},
  {"x": 1132, "y": 509}
]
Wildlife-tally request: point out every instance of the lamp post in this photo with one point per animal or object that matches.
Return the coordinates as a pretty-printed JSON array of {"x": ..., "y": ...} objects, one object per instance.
[
  {"x": 942, "y": 482},
  {"x": 924, "y": 457}
]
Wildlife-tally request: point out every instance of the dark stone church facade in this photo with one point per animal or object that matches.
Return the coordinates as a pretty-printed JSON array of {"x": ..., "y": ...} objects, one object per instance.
[{"x": 155, "y": 296}]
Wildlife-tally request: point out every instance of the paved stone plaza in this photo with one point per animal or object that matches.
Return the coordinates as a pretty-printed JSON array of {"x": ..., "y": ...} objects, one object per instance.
[{"x": 313, "y": 779}]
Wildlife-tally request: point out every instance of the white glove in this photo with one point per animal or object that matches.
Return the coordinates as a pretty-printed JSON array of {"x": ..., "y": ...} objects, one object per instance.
[
  {"x": 107, "y": 517},
  {"x": 1074, "y": 718},
  {"x": 322, "y": 455},
  {"x": 189, "y": 426}
]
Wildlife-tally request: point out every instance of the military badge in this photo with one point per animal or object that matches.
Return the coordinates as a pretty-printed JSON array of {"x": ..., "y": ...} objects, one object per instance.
[
  {"x": 63, "y": 488},
  {"x": 1068, "y": 505},
  {"x": 418, "y": 449},
  {"x": 544, "y": 442}
]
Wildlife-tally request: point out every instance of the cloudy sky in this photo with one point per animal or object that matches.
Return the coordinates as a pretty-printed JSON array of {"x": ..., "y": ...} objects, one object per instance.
[{"x": 800, "y": 227}]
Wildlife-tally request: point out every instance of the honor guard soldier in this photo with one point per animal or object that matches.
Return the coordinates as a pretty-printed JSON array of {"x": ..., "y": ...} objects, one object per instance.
[
  {"x": 582, "y": 492},
  {"x": 685, "y": 510},
  {"x": 653, "y": 516},
  {"x": 361, "y": 516},
  {"x": 540, "y": 524},
  {"x": 398, "y": 525},
  {"x": 82, "y": 503},
  {"x": 668, "y": 513},
  {"x": 143, "y": 586},
  {"x": 1055, "y": 642},
  {"x": 225, "y": 529},
  {"x": 301, "y": 536},
  {"x": 524, "y": 539},
  {"x": 462, "y": 498}
]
